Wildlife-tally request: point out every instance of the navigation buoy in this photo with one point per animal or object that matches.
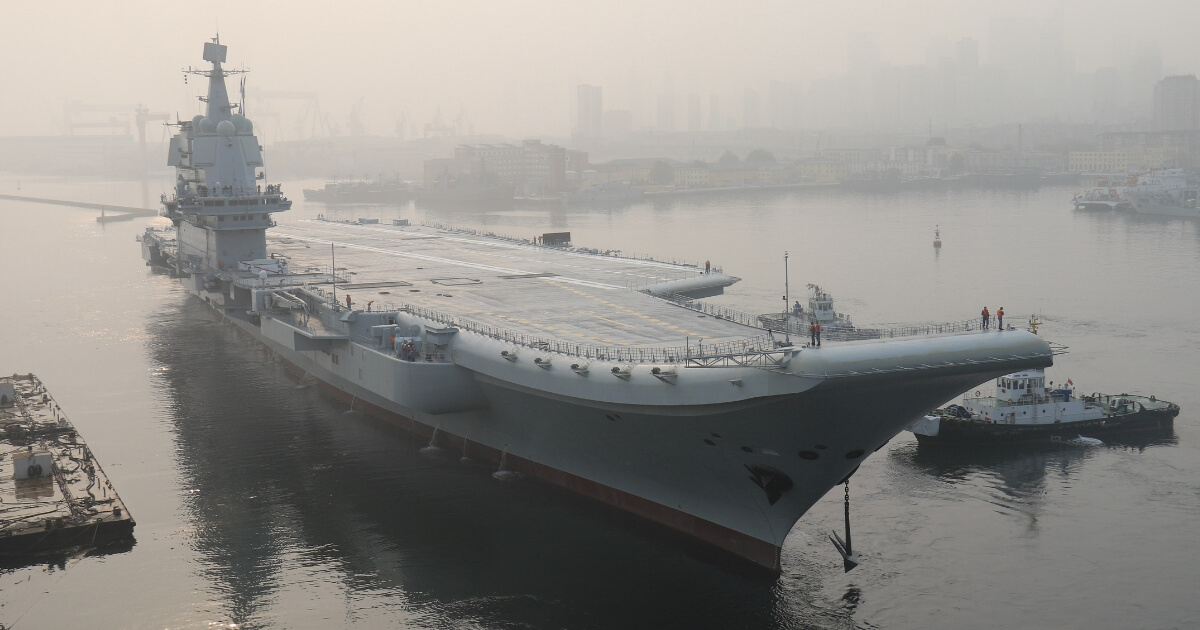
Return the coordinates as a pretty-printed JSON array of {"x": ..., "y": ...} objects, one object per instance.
[{"x": 937, "y": 237}]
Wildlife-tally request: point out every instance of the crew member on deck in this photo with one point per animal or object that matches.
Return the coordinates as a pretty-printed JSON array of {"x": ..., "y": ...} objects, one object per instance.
[
  {"x": 1000, "y": 318},
  {"x": 347, "y": 300},
  {"x": 814, "y": 333},
  {"x": 986, "y": 316}
]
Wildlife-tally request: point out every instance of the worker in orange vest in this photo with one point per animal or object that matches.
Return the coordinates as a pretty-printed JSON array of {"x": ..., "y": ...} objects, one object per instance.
[
  {"x": 986, "y": 315},
  {"x": 814, "y": 332},
  {"x": 1000, "y": 318}
]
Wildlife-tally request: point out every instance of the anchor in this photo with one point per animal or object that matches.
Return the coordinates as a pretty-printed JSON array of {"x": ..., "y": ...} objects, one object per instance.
[{"x": 849, "y": 558}]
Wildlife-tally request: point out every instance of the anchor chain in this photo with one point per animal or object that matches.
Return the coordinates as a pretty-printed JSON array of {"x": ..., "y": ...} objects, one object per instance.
[
  {"x": 844, "y": 548},
  {"x": 849, "y": 547}
]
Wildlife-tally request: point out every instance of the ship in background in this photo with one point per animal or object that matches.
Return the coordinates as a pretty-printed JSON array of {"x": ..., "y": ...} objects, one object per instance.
[
  {"x": 1179, "y": 199},
  {"x": 540, "y": 357},
  {"x": 1109, "y": 193},
  {"x": 374, "y": 191}
]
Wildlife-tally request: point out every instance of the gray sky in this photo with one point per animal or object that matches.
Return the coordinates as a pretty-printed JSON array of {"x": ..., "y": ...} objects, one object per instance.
[{"x": 510, "y": 64}]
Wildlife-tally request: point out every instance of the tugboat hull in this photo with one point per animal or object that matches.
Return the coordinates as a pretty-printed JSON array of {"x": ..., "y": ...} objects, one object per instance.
[{"x": 977, "y": 432}]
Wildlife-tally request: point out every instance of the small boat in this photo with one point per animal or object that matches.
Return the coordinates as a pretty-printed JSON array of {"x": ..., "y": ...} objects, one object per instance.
[
  {"x": 820, "y": 309},
  {"x": 937, "y": 237},
  {"x": 1028, "y": 408}
]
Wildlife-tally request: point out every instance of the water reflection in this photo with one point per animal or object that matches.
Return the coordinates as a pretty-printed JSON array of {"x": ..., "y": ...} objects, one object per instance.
[
  {"x": 290, "y": 497},
  {"x": 58, "y": 559},
  {"x": 1014, "y": 480},
  {"x": 1023, "y": 467},
  {"x": 1015, "y": 477}
]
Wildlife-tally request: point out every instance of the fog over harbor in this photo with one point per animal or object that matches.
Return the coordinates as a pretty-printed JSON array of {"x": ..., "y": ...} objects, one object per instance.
[
  {"x": 511, "y": 69},
  {"x": 564, "y": 391}
]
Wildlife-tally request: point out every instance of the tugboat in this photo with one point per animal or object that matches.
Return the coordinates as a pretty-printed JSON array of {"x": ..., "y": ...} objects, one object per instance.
[
  {"x": 820, "y": 309},
  {"x": 1027, "y": 408},
  {"x": 1105, "y": 195}
]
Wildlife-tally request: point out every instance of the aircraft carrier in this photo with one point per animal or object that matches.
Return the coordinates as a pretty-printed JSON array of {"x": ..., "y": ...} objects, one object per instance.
[{"x": 549, "y": 360}]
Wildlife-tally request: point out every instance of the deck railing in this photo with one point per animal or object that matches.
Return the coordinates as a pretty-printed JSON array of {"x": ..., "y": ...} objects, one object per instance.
[
  {"x": 774, "y": 322},
  {"x": 751, "y": 345},
  {"x": 756, "y": 345}
]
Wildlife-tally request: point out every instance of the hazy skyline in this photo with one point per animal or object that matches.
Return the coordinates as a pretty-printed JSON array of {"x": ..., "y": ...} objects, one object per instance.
[{"x": 512, "y": 66}]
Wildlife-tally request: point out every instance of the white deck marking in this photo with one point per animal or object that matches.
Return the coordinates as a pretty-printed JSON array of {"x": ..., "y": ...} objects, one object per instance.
[
  {"x": 503, "y": 245},
  {"x": 449, "y": 261}
]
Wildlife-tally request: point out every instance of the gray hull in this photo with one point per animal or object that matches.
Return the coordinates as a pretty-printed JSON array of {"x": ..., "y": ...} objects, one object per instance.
[
  {"x": 737, "y": 472},
  {"x": 1165, "y": 206}
]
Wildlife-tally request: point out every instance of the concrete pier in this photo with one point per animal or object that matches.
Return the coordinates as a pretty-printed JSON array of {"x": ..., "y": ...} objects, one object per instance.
[{"x": 108, "y": 212}]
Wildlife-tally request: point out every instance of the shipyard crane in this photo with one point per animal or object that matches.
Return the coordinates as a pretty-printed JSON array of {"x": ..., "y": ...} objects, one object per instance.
[
  {"x": 311, "y": 118},
  {"x": 143, "y": 115},
  {"x": 118, "y": 118}
]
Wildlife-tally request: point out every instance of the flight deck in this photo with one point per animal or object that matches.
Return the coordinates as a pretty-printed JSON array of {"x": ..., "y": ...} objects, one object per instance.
[{"x": 554, "y": 292}]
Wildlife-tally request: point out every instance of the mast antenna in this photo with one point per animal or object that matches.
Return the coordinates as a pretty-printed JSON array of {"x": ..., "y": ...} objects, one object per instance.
[{"x": 787, "y": 324}]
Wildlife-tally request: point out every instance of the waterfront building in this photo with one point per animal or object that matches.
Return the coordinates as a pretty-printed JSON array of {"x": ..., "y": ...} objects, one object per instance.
[
  {"x": 509, "y": 163},
  {"x": 1127, "y": 160},
  {"x": 825, "y": 172}
]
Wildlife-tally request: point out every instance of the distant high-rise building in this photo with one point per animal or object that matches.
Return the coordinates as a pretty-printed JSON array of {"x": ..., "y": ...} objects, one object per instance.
[
  {"x": 784, "y": 106},
  {"x": 1107, "y": 104},
  {"x": 966, "y": 54},
  {"x": 854, "y": 99},
  {"x": 1177, "y": 103},
  {"x": 666, "y": 113},
  {"x": 590, "y": 114},
  {"x": 714, "y": 113},
  {"x": 1030, "y": 52},
  {"x": 750, "y": 110},
  {"x": 1145, "y": 70},
  {"x": 862, "y": 55},
  {"x": 694, "y": 114}
]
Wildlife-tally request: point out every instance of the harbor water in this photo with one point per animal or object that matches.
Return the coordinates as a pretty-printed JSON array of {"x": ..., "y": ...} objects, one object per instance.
[{"x": 262, "y": 503}]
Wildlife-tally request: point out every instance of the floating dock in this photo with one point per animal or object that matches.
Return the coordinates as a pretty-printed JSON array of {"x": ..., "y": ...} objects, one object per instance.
[{"x": 53, "y": 493}]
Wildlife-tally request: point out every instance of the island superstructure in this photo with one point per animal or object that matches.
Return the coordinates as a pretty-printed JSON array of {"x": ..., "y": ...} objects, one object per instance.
[{"x": 550, "y": 360}]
